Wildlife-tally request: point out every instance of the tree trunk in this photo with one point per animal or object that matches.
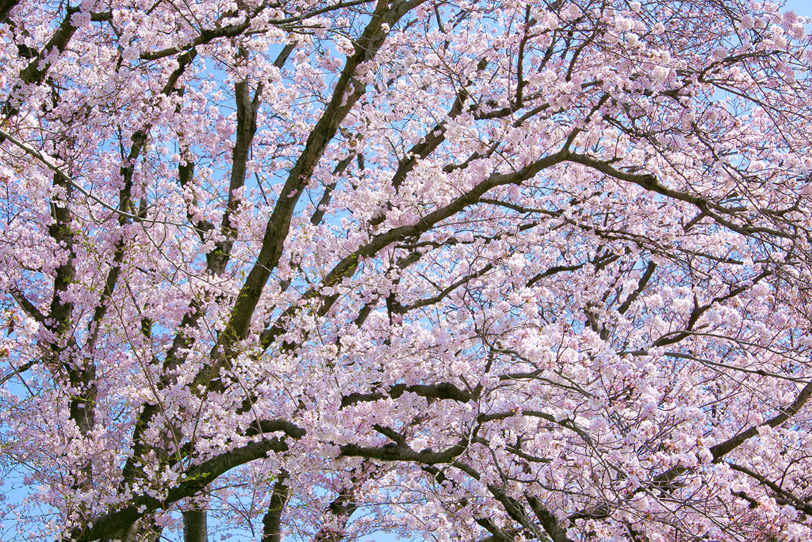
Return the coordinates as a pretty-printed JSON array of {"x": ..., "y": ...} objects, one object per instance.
[{"x": 194, "y": 526}]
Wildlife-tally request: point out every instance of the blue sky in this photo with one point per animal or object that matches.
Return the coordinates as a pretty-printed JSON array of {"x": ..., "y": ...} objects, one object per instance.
[{"x": 801, "y": 7}]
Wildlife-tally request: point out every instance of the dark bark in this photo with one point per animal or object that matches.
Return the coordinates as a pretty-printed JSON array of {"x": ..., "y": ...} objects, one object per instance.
[
  {"x": 194, "y": 526},
  {"x": 272, "y": 521},
  {"x": 548, "y": 520},
  {"x": 34, "y": 73},
  {"x": 191, "y": 484},
  {"x": 443, "y": 390},
  {"x": 338, "y": 513},
  {"x": 5, "y": 8},
  {"x": 348, "y": 90},
  {"x": 218, "y": 258}
]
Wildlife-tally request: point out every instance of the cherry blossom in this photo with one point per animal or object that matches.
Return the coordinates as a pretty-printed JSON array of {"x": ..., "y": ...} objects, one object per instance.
[{"x": 489, "y": 270}]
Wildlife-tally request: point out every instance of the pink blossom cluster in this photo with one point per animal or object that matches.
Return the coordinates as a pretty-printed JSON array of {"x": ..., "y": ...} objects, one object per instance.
[{"x": 492, "y": 270}]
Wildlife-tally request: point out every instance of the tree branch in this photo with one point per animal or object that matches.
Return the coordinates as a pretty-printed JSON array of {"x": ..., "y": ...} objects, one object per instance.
[{"x": 194, "y": 480}]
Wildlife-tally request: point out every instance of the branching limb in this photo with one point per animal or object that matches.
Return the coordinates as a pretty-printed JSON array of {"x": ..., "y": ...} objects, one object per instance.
[{"x": 193, "y": 481}]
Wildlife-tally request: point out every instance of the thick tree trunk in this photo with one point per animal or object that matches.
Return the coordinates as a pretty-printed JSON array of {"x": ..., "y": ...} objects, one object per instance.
[
  {"x": 194, "y": 526},
  {"x": 272, "y": 522}
]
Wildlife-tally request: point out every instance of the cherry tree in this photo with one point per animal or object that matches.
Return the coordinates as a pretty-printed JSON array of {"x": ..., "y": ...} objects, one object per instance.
[{"x": 494, "y": 270}]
